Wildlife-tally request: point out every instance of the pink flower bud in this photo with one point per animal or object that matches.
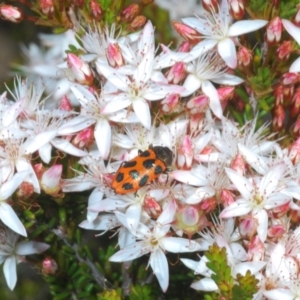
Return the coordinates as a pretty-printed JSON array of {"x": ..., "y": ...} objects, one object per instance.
[
  {"x": 170, "y": 103},
  {"x": 244, "y": 56},
  {"x": 294, "y": 152},
  {"x": 185, "y": 154},
  {"x": 284, "y": 51},
  {"x": 248, "y": 227},
  {"x": 225, "y": 94},
  {"x": 280, "y": 211},
  {"x": 177, "y": 73},
  {"x": 279, "y": 96},
  {"x": 198, "y": 104},
  {"x": 278, "y": 118},
  {"x": 137, "y": 23},
  {"x": 65, "y": 104},
  {"x": 96, "y": 11},
  {"x": 238, "y": 164},
  {"x": 49, "y": 266},
  {"x": 208, "y": 205},
  {"x": 47, "y": 7},
  {"x": 81, "y": 70},
  {"x": 256, "y": 249},
  {"x": 184, "y": 47},
  {"x": 274, "y": 31},
  {"x": 151, "y": 207},
  {"x": 50, "y": 181},
  {"x": 275, "y": 232},
  {"x": 226, "y": 197},
  {"x": 130, "y": 12},
  {"x": 188, "y": 33},
  {"x": 236, "y": 9},
  {"x": 295, "y": 129},
  {"x": 11, "y": 13},
  {"x": 84, "y": 138},
  {"x": 289, "y": 78},
  {"x": 114, "y": 55},
  {"x": 210, "y": 5},
  {"x": 295, "y": 105},
  {"x": 25, "y": 190}
]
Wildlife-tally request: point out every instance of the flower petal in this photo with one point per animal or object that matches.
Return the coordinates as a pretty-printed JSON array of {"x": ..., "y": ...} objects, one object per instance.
[
  {"x": 31, "y": 247},
  {"x": 11, "y": 220},
  {"x": 103, "y": 137},
  {"x": 227, "y": 51},
  {"x": 10, "y": 271}
]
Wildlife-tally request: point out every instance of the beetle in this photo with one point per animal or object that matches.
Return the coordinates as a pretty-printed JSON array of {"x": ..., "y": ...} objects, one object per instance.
[{"x": 142, "y": 169}]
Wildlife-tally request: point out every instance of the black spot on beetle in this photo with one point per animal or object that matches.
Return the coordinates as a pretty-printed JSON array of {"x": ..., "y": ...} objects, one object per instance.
[
  {"x": 120, "y": 177},
  {"x": 158, "y": 170},
  {"x": 149, "y": 163},
  {"x": 127, "y": 186},
  {"x": 134, "y": 174},
  {"x": 129, "y": 164},
  {"x": 143, "y": 180},
  {"x": 144, "y": 154}
]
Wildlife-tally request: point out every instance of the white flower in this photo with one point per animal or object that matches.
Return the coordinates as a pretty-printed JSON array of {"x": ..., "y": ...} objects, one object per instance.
[
  {"x": 208, "y": 67},
  {"x": 93, "y": 111},
  {"x": 12, "y": 252},
  {"x": 257, "y": 195},
  {"x": 155, "y": 241},
  {"x": 216, "y": 29},
  {"x": 44, "y": 132},
  {"x": 137, "y": 89}
]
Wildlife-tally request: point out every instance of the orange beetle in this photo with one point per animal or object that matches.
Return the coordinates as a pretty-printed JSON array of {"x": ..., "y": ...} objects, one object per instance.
[{"x": 141, "y": 170}]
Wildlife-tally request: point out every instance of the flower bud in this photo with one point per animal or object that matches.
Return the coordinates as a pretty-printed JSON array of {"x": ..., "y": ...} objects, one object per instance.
[
  {"x": 184, "y": 47},
  {"x": 278, "y": 118},
  {"x": 226, "y": 197},
  {"x": 49, "y": 266},
  {"x": 137, "y": 23},
  {"x": 276, "y": 232},
  {"x": 176, "y": 73},
  {"x": 25, "y": 190},
  {"x": 47, "y": 7},
  {"x": 210, "y": 5},
  {"x": 274, "y": 31},
  {"x": 236, "y": 9},
  {"x": 81, "y": 70},
  {"x": 248, "y": 227},
  {"x": 170, "y": 103},
  {"x": 151, "y": 207},
  {"x": 114, "y": 55},
  {"x": 130, "y": 12},
  {"x": 65, "y": 104},
  {"x": 238, "y": 164},
  {"x": 294, "y": 152},
  {"x": 198, "y": 104},
  {"x": 295, "y": 129},
  {"x": 78, "y": 3},
  {"x": 188, "y": 33},
  {"x": 278, "y": 94},
  {"x": 284, "y": 51},
  {"x": 11, "y": 13},
  {"x": 256, "y": 249},
  {"x": 244, "y": 57},
  {"x": 225, "y": 94},
  {"x": 185, "y": 154},
  {"x": 208, "y": 205},
  {"x": 290, "y": 78},
  {"x": 50, "y": 181},
  {"x": 84, "y": 139},
  {"x": 96, "y": 11},
  {"x": 295, "y": 105}
]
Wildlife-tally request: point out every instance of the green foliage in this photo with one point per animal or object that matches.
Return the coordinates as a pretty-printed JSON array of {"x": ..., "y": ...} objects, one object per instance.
[{"x": 242, "y": 287}]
